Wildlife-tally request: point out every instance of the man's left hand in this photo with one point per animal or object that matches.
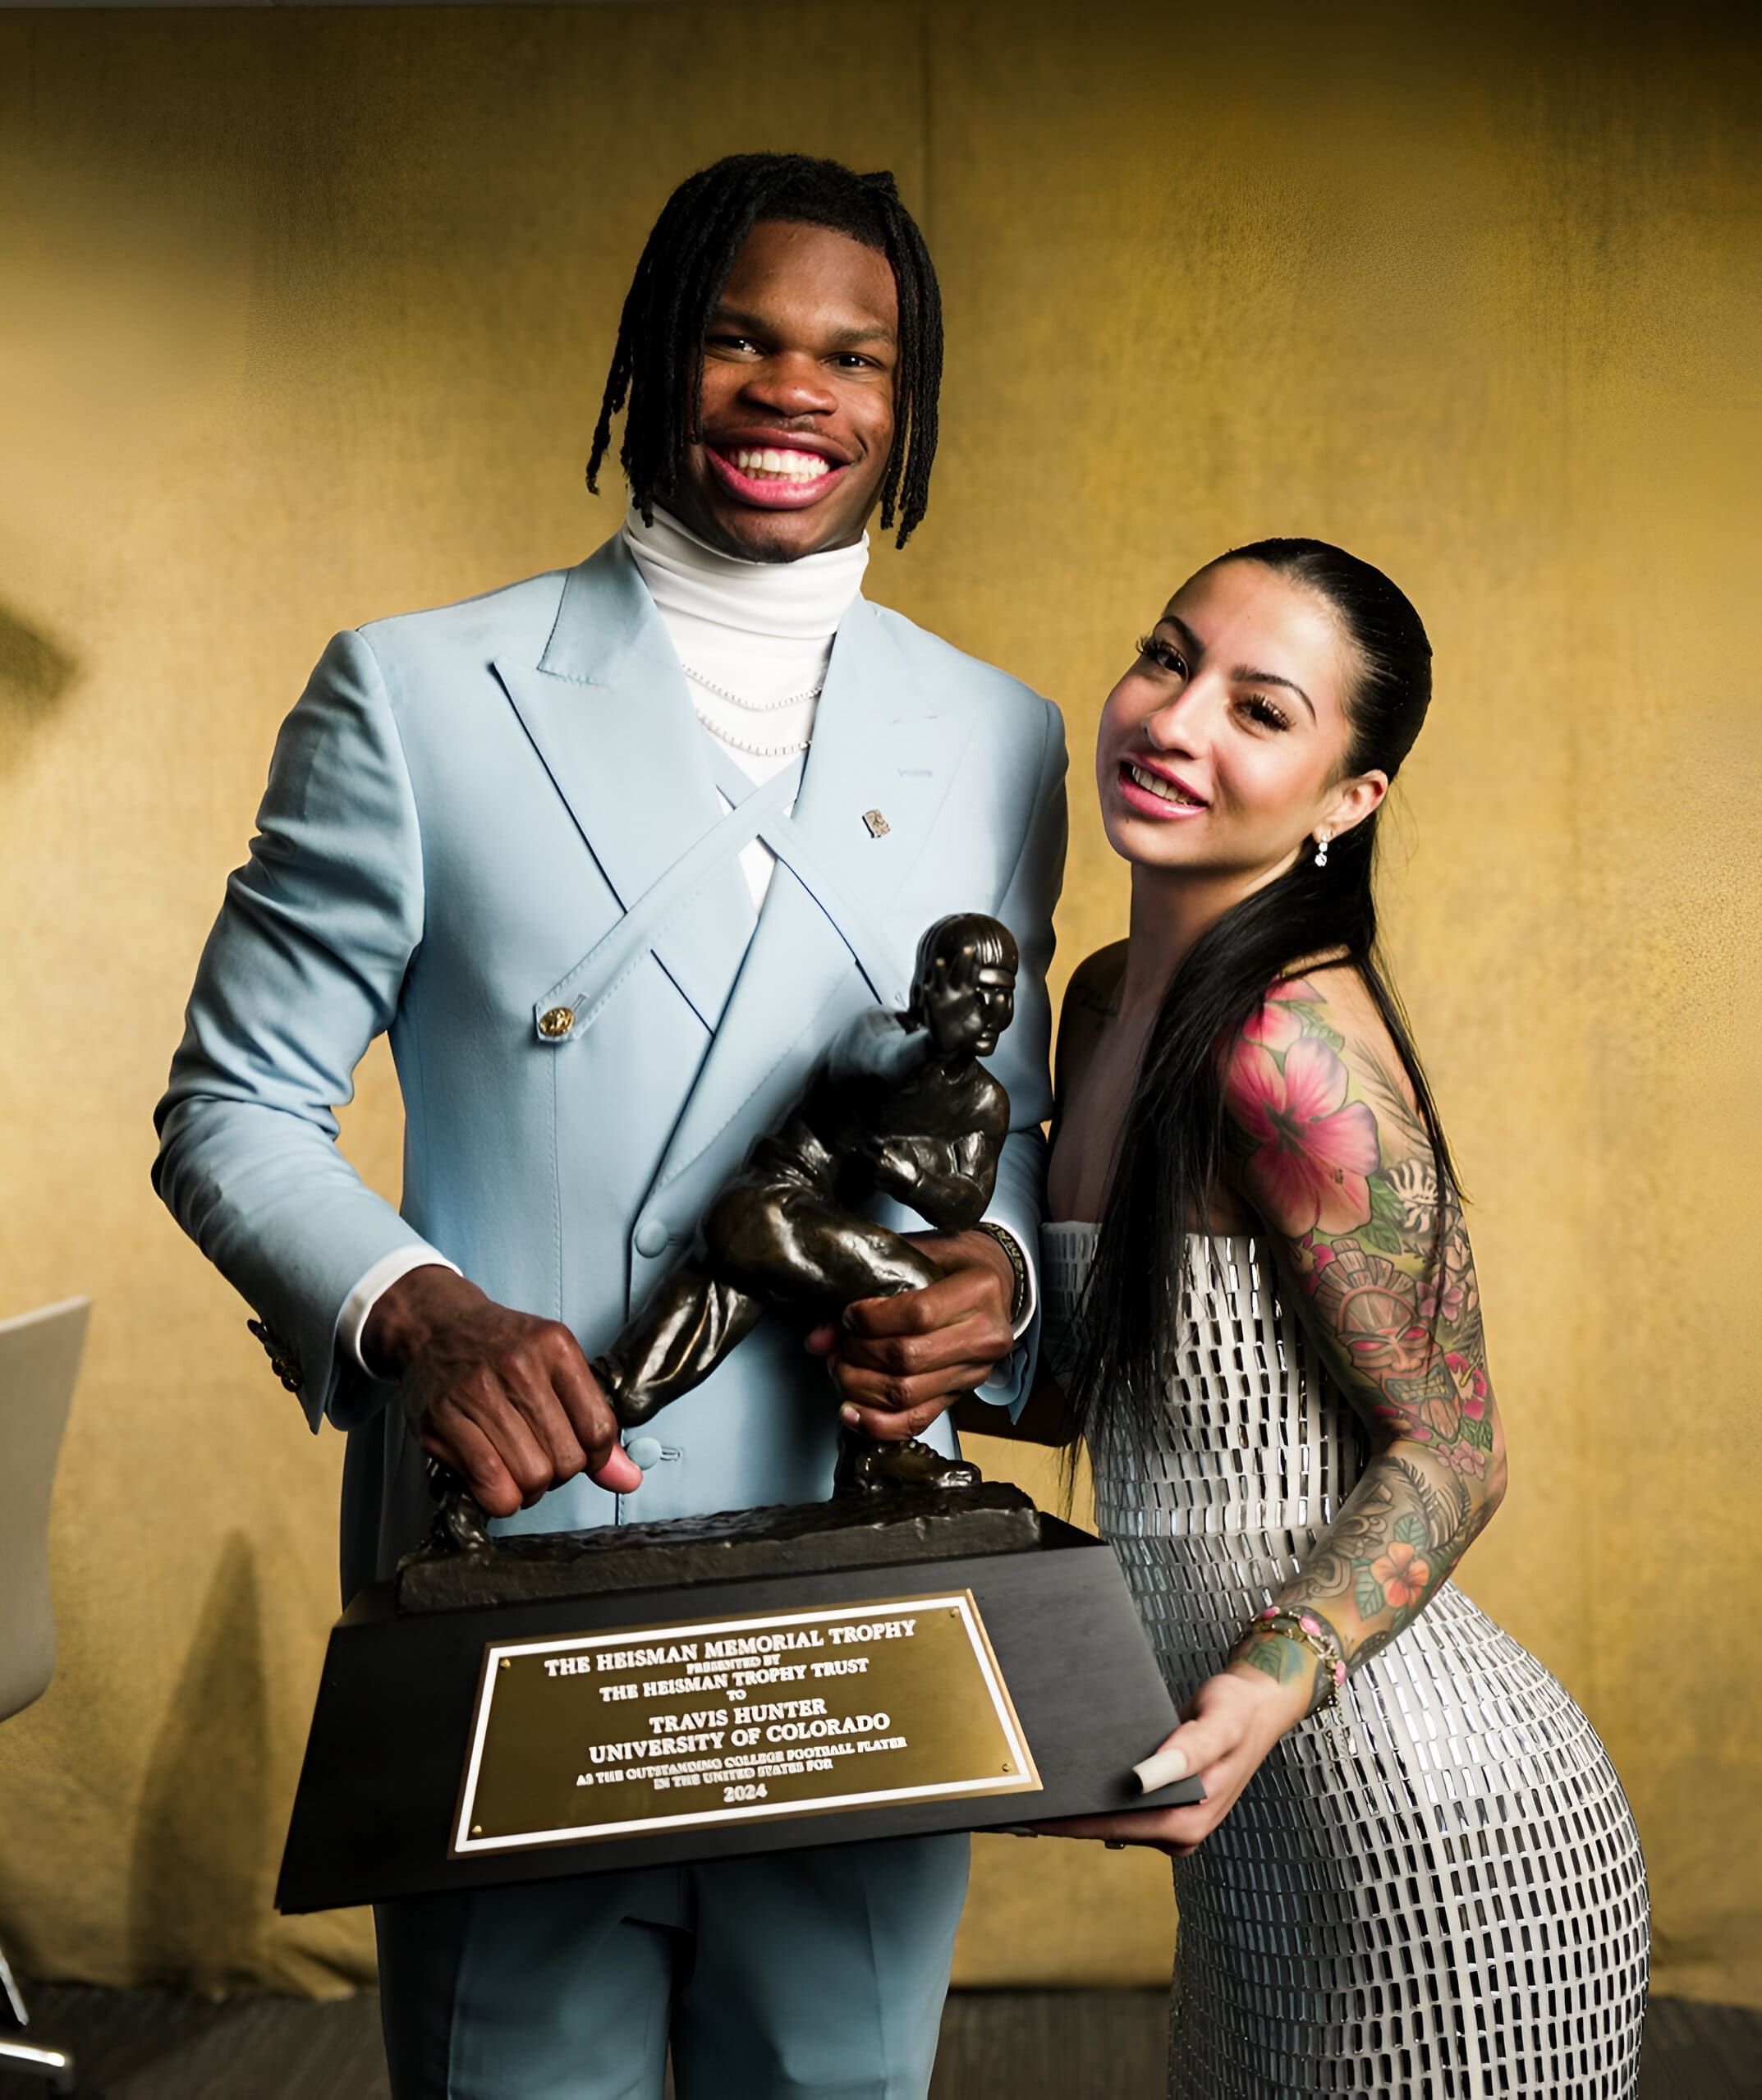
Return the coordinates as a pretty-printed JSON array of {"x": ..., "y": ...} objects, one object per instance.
[{"x": 900, "y": 1362}]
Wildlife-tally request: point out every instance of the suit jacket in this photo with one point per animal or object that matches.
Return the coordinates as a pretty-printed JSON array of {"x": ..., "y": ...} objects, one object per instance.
[{"x": 482, "y": 819}]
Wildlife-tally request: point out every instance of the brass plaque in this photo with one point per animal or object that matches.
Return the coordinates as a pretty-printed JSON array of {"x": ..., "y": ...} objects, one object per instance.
[{"x": 718, "y": 1720}]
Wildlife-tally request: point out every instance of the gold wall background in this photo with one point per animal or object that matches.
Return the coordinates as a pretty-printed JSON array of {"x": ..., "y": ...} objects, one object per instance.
[{"x": 303, "y": 317}]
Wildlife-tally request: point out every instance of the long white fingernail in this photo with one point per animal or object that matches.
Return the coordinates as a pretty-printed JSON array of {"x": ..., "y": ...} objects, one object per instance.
[{"x": 1162, "y": 1769}]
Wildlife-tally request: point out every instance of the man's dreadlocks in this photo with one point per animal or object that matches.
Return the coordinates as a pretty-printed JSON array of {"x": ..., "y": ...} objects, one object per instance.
[{"x": 658, "y": 366}]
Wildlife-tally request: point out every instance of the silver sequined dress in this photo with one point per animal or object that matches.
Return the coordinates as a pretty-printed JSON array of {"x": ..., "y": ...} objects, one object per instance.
[{"x": 1434, "y": 1893}]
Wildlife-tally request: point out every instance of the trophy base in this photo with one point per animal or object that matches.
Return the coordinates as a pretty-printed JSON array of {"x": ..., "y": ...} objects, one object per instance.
[
  {"x": 870, "y": 1531},
  {"x": 755, "y": 1682}
]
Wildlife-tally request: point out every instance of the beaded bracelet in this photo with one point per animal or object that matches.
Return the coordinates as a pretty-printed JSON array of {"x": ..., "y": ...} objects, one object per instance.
[{"x": 1309, "y": 1631}]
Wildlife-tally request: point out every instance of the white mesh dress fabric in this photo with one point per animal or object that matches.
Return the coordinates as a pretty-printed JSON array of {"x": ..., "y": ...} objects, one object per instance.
[{"x": 1433, "y": 1892}]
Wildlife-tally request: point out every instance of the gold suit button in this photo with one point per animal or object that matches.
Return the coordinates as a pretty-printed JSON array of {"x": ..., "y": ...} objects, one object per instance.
[{"x": 555, "y": 1023}]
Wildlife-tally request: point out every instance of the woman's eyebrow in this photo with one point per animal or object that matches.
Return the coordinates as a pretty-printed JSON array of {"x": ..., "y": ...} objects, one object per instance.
[
  {"x": 1244, "y": 676},
  {"x": 1194, "y": 646}
]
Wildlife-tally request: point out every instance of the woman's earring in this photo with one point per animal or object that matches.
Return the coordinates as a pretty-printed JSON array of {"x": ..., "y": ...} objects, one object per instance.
[{"x": 1321, "y": 849}]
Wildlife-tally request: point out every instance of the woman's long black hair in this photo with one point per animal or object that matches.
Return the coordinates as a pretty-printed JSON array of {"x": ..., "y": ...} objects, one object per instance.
[
  {"x": 658, "y": 362},
  {"x": 1171, "y": 1146}
]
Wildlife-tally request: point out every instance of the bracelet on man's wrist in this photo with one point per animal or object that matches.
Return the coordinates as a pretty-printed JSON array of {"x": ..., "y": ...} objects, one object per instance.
[{"x": 1018, "y": 1264}]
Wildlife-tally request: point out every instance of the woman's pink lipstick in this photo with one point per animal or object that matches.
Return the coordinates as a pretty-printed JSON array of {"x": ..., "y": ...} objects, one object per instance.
[{"x": 1146, "y": 802}]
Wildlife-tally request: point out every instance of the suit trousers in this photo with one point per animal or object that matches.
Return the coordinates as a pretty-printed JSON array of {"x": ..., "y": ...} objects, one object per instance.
[{"x": 816, "y": 1973}]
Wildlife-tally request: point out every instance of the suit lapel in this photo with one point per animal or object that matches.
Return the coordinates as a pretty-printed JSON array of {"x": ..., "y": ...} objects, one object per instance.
[
  {"x": 881, "y": 743},
  {"x": 608, "y": 712}
]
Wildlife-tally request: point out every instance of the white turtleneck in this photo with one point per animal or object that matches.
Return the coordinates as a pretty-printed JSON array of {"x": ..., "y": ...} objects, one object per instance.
[{"x": 762, "y": 630}]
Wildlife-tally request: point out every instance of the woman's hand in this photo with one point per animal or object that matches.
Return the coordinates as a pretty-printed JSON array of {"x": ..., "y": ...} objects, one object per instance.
[{"x": 1227, "y": 1728}]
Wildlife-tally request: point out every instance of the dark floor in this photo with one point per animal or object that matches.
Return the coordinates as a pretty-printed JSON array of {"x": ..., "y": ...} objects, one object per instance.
[{"x": 996, "y": 2045}]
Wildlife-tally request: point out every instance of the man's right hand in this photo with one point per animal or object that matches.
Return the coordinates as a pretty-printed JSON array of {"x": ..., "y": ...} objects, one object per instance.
[{"x": 504, "y": 1398}]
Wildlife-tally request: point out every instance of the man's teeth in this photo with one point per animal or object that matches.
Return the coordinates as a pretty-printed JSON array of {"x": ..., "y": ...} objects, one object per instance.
[
  {"x": 790, "y": 466},
  {"x": 1154, "y": 784}
]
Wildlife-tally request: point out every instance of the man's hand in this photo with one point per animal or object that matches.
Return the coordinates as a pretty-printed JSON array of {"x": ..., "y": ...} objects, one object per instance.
[
  {"x": 505, "y": 1398},
  {"x": 900, "y": 1362}
]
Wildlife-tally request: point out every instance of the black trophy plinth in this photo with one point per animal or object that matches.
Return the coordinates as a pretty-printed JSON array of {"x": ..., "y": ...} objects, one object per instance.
[
  {"x": 947, "y": 1659},
  {"x": 796, "y": 1539}
]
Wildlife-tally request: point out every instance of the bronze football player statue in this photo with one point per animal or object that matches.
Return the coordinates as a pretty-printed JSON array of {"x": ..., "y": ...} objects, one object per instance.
[{"x": 899, "y": 1107}]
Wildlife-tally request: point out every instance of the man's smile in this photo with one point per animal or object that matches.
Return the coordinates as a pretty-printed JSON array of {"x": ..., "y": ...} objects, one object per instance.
[
  {"x": 776, "y": 472},
  {"x": 791, "y": 465}
]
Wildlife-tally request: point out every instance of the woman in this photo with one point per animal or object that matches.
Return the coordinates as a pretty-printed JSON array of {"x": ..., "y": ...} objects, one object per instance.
[{"x": 1414, "y": 1873}]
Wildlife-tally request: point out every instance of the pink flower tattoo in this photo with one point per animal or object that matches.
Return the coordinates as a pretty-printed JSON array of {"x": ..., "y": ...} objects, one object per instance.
[
  {"x": 1314, "y": 1152},
  {"x": 1402, "y": 1574},
  {"x": 1470, "y": 1384},
  {"x": 1276, "y": 1027}
]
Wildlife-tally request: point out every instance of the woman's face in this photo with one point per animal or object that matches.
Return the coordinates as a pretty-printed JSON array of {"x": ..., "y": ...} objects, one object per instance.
[{"x": 1222, "y": 750}]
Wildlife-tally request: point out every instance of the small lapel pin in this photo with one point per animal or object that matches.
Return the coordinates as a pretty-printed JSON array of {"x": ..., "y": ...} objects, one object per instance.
[{"x": 879, "y": 826}]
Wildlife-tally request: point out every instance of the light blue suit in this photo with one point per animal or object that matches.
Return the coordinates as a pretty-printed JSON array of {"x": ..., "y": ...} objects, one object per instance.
[{"x": 475, "y": 816}]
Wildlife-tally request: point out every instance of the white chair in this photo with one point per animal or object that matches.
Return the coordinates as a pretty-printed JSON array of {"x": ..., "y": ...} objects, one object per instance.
[{"x": 39, "y": 1355}]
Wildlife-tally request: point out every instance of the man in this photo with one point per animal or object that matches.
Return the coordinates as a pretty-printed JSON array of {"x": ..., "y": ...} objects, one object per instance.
[{"x": 558, "y": 841}]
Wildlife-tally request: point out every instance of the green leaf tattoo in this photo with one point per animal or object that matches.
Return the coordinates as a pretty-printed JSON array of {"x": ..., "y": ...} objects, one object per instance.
[
  {"x": 1280, "y": 1659},
  {"x": 1384, "y": 1232}
]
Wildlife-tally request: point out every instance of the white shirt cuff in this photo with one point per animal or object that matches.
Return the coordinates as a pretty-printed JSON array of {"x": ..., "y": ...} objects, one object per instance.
[
  {"x": 352, "y": 1323},
  {"x": 1006, "y": 1368}
]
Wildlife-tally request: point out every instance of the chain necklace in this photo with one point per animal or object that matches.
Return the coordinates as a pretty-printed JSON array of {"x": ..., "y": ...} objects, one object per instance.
[
  {"x": 753, "y": 707},
  {"x": 753, "y": 750}
]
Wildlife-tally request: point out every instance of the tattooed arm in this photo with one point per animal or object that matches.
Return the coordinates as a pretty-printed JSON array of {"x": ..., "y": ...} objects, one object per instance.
[{"x": 1328, "y": 1150}]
